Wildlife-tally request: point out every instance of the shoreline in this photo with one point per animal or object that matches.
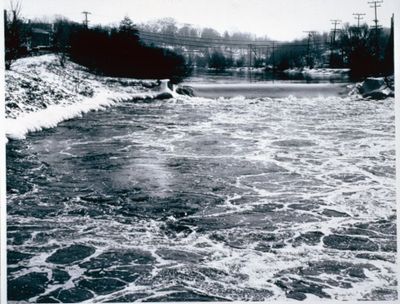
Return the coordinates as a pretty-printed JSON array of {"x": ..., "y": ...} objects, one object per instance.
[{"x": 40, "y": 93}]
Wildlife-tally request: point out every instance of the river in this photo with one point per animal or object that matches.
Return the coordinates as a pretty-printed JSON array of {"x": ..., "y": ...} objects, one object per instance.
[{"x": 206, "y": 199}]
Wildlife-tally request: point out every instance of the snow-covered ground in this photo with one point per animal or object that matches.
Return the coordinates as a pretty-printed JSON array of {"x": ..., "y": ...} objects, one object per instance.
[
  {"x": 40, "y": 93},
  {"x": 376, "y": 87},
  {"x": 247, "y": 69},
  {"x": 373, "y": 88},
  {"x": 318, "y": 73}
]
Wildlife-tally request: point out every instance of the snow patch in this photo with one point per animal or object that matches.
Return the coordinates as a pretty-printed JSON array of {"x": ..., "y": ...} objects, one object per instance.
[
  {"x": 323, "y": 73},
  {"x": 374, "y": 88},
  {"x": 40, "y": 93},
  {"x": 17, "y": 128}
]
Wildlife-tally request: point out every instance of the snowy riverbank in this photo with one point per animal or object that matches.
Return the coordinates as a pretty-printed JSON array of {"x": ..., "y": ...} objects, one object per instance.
[
  {"x": 375, "y": 87},
  {"x": 40, "y": 93},
  {"x": 318, "y": 73},
  {"x": 372, "y": 87}
]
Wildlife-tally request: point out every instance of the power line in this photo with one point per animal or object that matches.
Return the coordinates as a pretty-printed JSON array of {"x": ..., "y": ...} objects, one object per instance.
[
  {"x": 168, "y": 41},
  {"x": 206, "y": 38},
  {"x": 204, "y": 42},
  {"x": 213, "y": 41}
]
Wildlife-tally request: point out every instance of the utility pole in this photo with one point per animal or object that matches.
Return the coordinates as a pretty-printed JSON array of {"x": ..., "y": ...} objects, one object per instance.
[
  {"x": 86, "y": 21},
  {"x": 358, "y": 16},
  {"x": 335, "y": 23},
  {"x": 273, "y": 56},
  {"x": 254, "y": 49},
  {"x": 249, "y": 51},
  {"x": 375, "y": 4},
  {"x": 310, "y": 34}
]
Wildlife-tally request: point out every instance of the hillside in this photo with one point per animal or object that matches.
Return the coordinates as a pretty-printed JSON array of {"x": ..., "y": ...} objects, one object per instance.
[{"x": 40, "y": 93}]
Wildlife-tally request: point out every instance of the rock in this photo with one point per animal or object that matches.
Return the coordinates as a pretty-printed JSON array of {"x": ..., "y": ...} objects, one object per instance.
[
  {"x": 185, "y": 90},
  {"x": 379, "y": 94},
  {"x": 164, "y": 95},
  {"x": 390, "y": 82},
  {"x": 375, "y": 88},
  {"x": 372, "y": 84},
  {"x": 70, "y": 254}
]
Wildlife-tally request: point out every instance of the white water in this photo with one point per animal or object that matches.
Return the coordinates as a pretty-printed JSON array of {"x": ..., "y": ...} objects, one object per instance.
[{"x": 221, "y": 193}]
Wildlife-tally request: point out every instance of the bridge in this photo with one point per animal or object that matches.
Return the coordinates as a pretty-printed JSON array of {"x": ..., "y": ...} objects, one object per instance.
[{"x": 253, "y": 50}]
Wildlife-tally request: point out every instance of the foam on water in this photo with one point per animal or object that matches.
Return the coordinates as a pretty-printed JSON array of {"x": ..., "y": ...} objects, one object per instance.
[{"x": 210, "y": 199}]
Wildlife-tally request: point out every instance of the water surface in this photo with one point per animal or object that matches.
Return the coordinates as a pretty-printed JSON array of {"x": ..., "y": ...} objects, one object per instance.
[{"x": 196, "y": 199}]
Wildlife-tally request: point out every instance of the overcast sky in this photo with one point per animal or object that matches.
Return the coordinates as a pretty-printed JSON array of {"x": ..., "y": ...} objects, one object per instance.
[{"x": 278, "y": 19}]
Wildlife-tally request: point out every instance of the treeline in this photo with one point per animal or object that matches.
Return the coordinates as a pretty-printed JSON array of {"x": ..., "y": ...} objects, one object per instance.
[
  {"x": 360, "y": 48},
  {"x": 110, "y": 51},
  {"x": 122, "y": 51},
  {"x": 169, "y": 27},
  {"x": 218, "y": 59},
  {"x": 117, "y": 51},
  {"x": 170, "y": 32}
]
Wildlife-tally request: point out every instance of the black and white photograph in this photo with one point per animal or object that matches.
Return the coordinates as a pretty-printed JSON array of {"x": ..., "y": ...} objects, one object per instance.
[{"x": 199, "y": 151}]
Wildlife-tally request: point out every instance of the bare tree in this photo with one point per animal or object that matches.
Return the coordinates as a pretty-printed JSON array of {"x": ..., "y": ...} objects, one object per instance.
[{"x": 13, "y": 32}]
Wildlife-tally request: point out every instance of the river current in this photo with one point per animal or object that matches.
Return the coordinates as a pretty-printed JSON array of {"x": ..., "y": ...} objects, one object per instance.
[{"x": 200, "y": 199}]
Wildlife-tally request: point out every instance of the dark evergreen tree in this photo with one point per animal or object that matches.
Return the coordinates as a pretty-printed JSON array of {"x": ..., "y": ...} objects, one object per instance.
[
  {"x": 388, "y": 63},
  {"x": 217, "y": 61},
  {"x": 119, "y": 52}
]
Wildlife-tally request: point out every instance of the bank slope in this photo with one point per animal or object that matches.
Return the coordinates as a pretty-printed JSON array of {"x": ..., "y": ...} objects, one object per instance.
[{"x": 40, "y": 92}]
